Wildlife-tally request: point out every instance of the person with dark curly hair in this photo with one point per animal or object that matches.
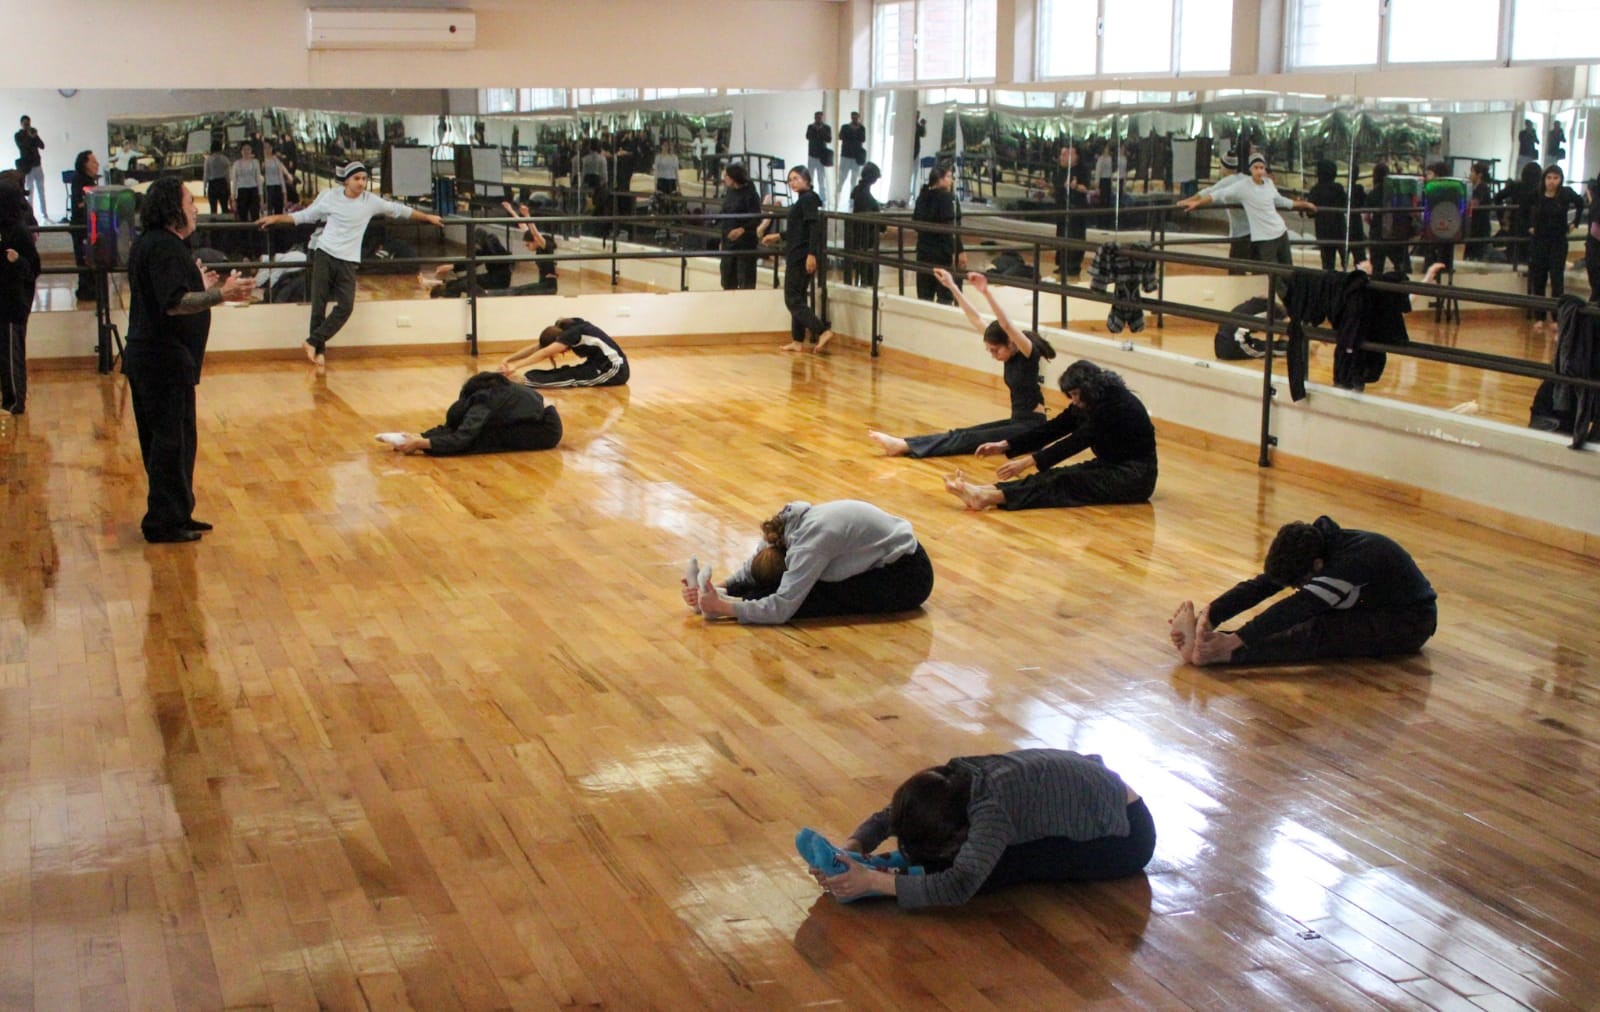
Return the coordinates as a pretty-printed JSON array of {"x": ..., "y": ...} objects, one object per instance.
[
  {"x": 169, "y": 318},
  {"x": 980, "y": 823},
  {"x": 834, "y": 558},
  {"x": 1104, "y": 417},
  {"x": 1356, "y": 594}
]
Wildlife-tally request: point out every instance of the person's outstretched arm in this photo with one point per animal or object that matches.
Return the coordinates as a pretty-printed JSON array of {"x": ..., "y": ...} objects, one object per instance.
[
  {"x": 531, "y": 355},
  {"x": 1021, "y": 340},
  {"x": 949, "y": 282}
]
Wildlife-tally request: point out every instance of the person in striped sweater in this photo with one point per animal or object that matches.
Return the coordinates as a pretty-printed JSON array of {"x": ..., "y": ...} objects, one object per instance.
[{"x": 979, "y": 823}]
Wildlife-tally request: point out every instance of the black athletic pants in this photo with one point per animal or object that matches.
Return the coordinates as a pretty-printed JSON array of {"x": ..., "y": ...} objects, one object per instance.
[
  {"x": 928, "y": 287},
  {"x": 541, "y": 433},
  {"x": 275, "y": 204},
  {"x": 596, "y": 373},
  {"x": 959, "y": 442},
  {"x": 1072, "y": 259},
  {"x": 1357, "y": 632},
  {"x": 1547, "y": 264},
  {"x": 1332, "y": 255},
  {"x": 247, "y": 206},
  {"x": 14, "y": 365},
  {"x": 1059, "y": 859},
  {"x": 1092, "y": 483},
  {"x": 217, "y": 193},
  {"x": 330, "y": 279},
  {"x": 163, "y": 410},
  {"x": 902, "y": 585},
  {"x": 1591, "y": 263},
  {"x": 739, "y": 271},
  {"x": 797, "y": 296}
]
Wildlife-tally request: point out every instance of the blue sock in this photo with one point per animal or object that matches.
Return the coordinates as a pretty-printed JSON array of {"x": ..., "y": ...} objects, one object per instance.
[{"x": 830, "y": 860}]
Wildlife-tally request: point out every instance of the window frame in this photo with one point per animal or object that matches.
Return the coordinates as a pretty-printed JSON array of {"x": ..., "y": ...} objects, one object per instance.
[
  {"x": 1504, "y": 46},
  {"x": 1174, "y": 51},
  {"x": 916, "y": 41}
]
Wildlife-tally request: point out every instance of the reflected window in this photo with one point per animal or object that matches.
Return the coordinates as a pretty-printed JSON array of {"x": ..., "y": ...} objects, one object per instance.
[
  {"x": 1334, "y": 33},
  {"x": 492, "y": 100},
  {"x": 933, "y": 40},
  {"x": 534, "y": 99},
  {"x": 1470, "y": 35},
  {"x": 1555, "y": 30}
]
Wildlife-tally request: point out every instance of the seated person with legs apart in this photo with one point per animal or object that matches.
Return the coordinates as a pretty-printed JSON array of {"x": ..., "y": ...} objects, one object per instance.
[
  {"x": 835, "y": 558},
  {"x": 1356, "y": 594},
  {"x": 603, "y": 365},
  {"x": 980, "y": 823},
  {"x": 492, "y": 415}
]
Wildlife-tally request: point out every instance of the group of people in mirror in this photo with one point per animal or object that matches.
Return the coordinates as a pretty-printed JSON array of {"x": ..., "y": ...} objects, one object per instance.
[{"x": 972, "y": 824}]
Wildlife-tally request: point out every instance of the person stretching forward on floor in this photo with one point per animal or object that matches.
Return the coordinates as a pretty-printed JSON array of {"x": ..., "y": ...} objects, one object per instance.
[
  {"x": 978, "y": 823},
  {"x": 347, "y": 212},
  {"x": 834, "y": 558},
  {"x": 1357, "y": 594}
]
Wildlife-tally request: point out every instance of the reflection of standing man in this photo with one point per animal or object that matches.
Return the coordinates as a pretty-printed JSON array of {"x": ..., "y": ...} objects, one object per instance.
[
  {"x": 852, "y": 153},
  {"x": 31, "y": 166},
  {"x": 1527, "y": 145},
  {"x": 1072, "y": 194},
  {"x": 819, "y": 157}
]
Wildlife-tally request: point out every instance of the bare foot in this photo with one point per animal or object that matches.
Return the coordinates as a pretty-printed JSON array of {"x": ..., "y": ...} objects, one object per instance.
[
  {"x": 1209, "y": 648},
  {"x": 427, "y": 283},
  {"x": 792, "y": 346},
  {"x": 973, "y": 497},
  {"x": 893, "y": 446},
  {"x": 311, "y": 354},
  {"x": 822, "y": 342},
  {"x": 1182, "y": 626}
]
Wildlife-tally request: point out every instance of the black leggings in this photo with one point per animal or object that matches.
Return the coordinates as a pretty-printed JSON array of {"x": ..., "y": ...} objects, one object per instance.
[
  {"x": 739, "y": 268},
  {"x": 902, "y": 585},
  {"x": 1092, "y": 483},
  {"x": 598, "y": 372},
  {"x": 797, "y": 296},
  {"x": 1591, "y": 263},
  {"x": 1059, "y": 859},
  {"x": 928, "y": 287},
  {"x": 1547, "y": 263},
  {"x": 959, "y": 442},
  {"x": 1358, "y": 632},
  {"x": 247, "y": 203},
  {"x": 217, "y": 193}
]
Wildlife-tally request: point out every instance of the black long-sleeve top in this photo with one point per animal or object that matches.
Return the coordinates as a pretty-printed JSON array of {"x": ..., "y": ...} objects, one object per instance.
[
  {"x": 468, "y": 418},
  {"x": 818, "y": 137},
  {"x": 740, "y": 200},
  {"x": 28, "y": 147},
  {"x": 82, "y": 183},
  {"x": 1117, "y": 431},
  {"x": 1360, "y": 570},
  {"x": 17, "y": 279},
  {"x": 937, "y": 207},
  {"x": 803, "y": 235},
  {"x": 1331, "y": 200},
  {"x": 1547, "y": 216}
]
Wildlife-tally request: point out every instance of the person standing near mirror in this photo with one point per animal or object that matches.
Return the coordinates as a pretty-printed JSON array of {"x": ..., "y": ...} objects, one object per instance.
[
  {"x": 1478, "y": 225},
  {"x": 739, "y": 239},
  {"x": 803, "y": 240},
  {"x": 1547, "y": 230},
  {"x": 937, "y": 205},
  {"x": 31, "y": 165},
  {"x": 1329, "y": 195},
  {"x": 216, "y": 172},
  {"x": 247, "y": 185},
  {"x": 1072, "y": 195},
  {"x": 852, "y": 154},
  {"x": 819, "y": 156}
]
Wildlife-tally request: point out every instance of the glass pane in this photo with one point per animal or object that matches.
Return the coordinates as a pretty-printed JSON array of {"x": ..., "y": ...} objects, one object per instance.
[
  {"x": 1205, "y": 36},
  {"x": 1555, "y": 30},
  {"x": 1418, "y": 35},
  {"x": 1138, "y": 37},
  {"x": 980, "y": 39},
  {"x": 895, "y": 42},
  {"x": 941, "y": 38},
  {"x": 1334, "y": 33},
  {"x": 1067, "y": 37}
]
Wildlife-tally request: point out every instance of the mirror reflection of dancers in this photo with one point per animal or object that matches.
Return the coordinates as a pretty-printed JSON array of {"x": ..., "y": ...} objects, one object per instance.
[
  {"x": 1019, "y": 352},
  {"x": 980, "y": 823},
  {"x": 804, "y": 239},
  {"x": 491, "y": 415},
  {"x": 1104, "y": 417},
  {"x": 603, "y": 362},
  {"x": 833, "y": 558},
  {"x": 1356, "y": 594}
]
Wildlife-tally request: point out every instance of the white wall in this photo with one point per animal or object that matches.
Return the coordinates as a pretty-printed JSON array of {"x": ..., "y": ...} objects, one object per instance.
[
  {"x": 523, "y": 43},
  {"x": 1484, "y": 135}
]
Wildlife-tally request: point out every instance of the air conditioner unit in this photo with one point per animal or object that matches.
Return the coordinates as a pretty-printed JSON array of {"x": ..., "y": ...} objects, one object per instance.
[{"x": 401, "y": 29}]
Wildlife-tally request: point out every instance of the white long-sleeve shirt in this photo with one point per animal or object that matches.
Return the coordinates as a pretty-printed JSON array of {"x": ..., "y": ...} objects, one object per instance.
[
  {"x": 1238, "y": 221},
  {"x": 1261, "y": 203},
  {"x": 347, "y": 219}
]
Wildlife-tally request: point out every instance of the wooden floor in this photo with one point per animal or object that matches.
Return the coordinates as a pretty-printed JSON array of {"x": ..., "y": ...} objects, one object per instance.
[{"x": 439, "y": 733}]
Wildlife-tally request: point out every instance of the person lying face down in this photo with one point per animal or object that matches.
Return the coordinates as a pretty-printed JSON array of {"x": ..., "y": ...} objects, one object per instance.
[
  {"x": 834, "y": 558},
  {"x": 492, "y": 415},
  {"x": 979, "y": 823}
]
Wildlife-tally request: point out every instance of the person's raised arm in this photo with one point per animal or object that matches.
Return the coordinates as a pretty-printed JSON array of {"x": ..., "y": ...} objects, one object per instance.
[
  {"x": 1021, "y": 340},
  {"x": 949, "y": 282}
]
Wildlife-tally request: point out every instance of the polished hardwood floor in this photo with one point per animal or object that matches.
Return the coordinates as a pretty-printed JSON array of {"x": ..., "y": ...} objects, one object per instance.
[{"x": 436, "y": 734}]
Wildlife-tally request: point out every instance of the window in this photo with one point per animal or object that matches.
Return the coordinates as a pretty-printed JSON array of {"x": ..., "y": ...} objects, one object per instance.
[
  {"x": 534, "y": 99},
  {"x": 491, "y": 100},
  {"x": 1555, "y": 30},
  {"x": 933, "y": 40},
  {"x": 1334, "y": 33},
  {"x": 653, "y": 94},
  {"x": 1472, "y": 34},
  {"x": 1084, "y": 38},
  {"x": 606, "y": 96}
]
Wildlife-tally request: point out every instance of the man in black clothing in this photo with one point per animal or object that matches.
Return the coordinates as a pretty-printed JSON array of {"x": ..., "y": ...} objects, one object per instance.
[
  {"x": 818, "y": 155},
  {"x": 1357, "y": 594},
  {"x": 29, "y": 144},
  {"x": 852, "y": 155},
  {"x": 169, "y": 319},
  {"x": 1479, "y": 226},
  {"x": 1072, "y": 182}
]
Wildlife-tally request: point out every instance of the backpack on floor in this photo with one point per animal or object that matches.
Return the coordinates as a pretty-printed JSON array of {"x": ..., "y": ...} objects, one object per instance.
[{"x": 1234, "y": 344}]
